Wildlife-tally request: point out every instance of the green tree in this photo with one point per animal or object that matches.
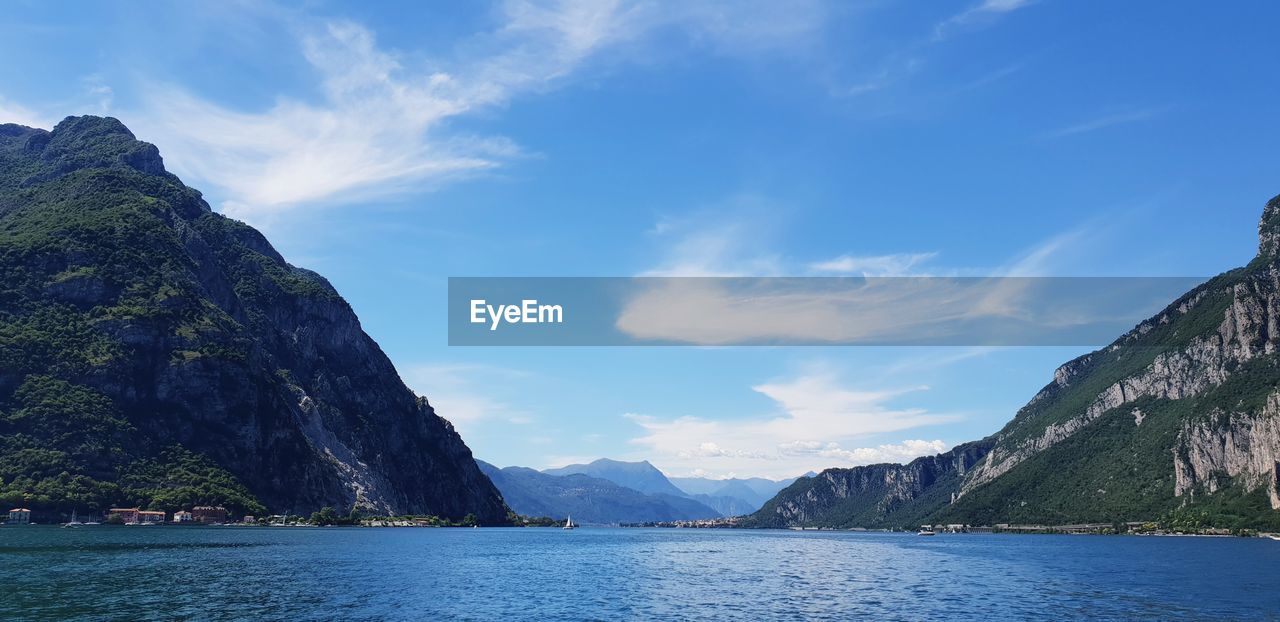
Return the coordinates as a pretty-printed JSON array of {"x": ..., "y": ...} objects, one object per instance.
[{"x": 324, "y": 516}]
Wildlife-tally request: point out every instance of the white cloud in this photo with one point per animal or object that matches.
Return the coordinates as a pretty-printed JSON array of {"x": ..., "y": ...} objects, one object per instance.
[
  {"x": 716, "y": 252},
  {"x": 11, "y": 112},
  {"x": 896, "y": 453},
  {"x": 379, "y": 125},
  {"x": 98, "y": 93},
  {"x": 1104, "y": 121},
  {"x": 985, "y": 10},
  {"x": 735, "y": 238},
  {"x": 946, "y": 305},
  {"x": 372, "y": 132},
  {"x": 817, "y": 427},
  {"x": 999, "y": 6},
  {"x": 897, "y": 264},
  {"x": 937, "y": 359},
  {"x": 457, "y": 392},
  {"x": 727, "y": 239},
  {"x": 897, "y": 311}
]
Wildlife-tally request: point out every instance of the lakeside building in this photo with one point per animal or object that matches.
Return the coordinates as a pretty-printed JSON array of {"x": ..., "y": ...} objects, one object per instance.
[
  {"x": 149, "y": 517},
  {"x": 126, "y": 515},
  {"x": 209, "y": 514},
  {"x": 182, "y": 516},
  {"x": 249, "y": 518},
  {"x": 19, "y": 516}
]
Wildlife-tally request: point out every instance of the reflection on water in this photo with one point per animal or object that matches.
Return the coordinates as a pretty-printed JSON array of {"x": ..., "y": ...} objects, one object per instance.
[{"x": 483, "y": 574}]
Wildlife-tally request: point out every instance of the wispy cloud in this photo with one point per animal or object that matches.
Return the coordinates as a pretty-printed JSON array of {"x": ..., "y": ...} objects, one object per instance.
[
  {"x": 99, "y": 94},
  {"x": 979, "y": 13},
  {"x": 737, "y": 238},
  {"x": 1105, "y": 121},
  {"x": 379, "y": 126},
  {"x": 818, "y": 426},
  {"x": 12, "y": 112},
  {"x": 458, "y": 393},
  {"x": 372, "y": 133},
  {"x": 937, "y": 360},
  {"x": 904, "y": 298},
  {"x": 728, "y": 239},
  {"x": 992, "y": 77},
  {"x": 837, "y": 456},
  {"x": 895, "y": 264}
]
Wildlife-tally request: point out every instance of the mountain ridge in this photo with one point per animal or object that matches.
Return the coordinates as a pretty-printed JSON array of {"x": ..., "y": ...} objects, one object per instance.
[
  {"x": 154, "y": 352},
  {"x": 1178, "y": 419},
  {"x": 641, "y": 475},
  {"x": 589, "y": 500}
]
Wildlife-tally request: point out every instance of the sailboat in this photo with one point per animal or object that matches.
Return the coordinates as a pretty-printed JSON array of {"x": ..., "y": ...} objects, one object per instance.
[
  {"x": 74, "y": 522},
  {"x": 568, "y": 523}
]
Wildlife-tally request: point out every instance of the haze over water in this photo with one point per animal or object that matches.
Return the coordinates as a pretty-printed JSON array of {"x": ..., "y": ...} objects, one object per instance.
[{"x": 485, "y": 574}]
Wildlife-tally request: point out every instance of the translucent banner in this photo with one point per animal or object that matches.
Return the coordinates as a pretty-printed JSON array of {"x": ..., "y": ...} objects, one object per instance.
[{"x": 751, "y": 311}]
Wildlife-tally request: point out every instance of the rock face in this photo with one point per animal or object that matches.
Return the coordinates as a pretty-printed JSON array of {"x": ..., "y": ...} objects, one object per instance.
[
  {"x": 879, "y": 495},
  {"x": 120, "y": 281},
  {"x": 1180, "y": 414},
  {"x": 1227, "y": 449}
]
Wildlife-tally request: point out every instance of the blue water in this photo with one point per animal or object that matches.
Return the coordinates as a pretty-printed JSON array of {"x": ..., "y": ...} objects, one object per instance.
[{"x": 611, "y": 574}]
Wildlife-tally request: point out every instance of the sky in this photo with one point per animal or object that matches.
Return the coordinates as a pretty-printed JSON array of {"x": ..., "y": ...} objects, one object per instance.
[{"x": 392, "y": 146}]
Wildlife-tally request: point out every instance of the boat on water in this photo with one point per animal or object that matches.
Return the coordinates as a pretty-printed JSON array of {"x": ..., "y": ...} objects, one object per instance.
[
  {"x": 925, "y": 531},
  {"x": 569, "y": 524},
  {"x": 1274, "y": 536},
  {"x": 74, "y": 522}
]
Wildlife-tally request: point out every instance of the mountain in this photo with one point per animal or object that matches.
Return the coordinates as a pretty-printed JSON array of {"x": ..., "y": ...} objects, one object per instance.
[
  {"x": 640, "y": 476},
  {"x": 588, "y": 499},
  {"x": 1177, "y": 420},
  {"x": 153, "y": 352},
  {"x": 879, "y": 495},
  {"x": 729, "y": 497},
  {"x": 726, "y": 505},
  {"x": 753, "y": 491}
]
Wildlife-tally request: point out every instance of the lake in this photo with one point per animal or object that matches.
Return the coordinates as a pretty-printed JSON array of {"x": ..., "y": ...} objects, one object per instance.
[{"x": 610, "y": 574}]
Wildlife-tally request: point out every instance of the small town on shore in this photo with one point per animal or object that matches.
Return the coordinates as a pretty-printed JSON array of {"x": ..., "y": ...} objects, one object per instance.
[
  {"x": 219, "y": 516},
  {"x": 1136, "y": 528}
]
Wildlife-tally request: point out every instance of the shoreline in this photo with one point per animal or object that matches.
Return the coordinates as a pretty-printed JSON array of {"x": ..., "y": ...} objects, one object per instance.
[{"x": 903, "y": 532}]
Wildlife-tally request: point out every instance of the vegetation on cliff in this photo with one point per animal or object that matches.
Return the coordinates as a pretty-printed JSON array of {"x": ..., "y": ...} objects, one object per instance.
[
  {"x": 155, "y": 353},
  {"x": 1177, "y": 421}
]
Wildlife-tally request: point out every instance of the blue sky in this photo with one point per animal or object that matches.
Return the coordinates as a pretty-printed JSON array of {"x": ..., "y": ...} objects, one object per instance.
[{"x": 390, "y": 147}]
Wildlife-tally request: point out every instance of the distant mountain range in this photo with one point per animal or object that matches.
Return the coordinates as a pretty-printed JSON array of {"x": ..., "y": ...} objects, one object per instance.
[
  {"x": 754, "y": 491},
  {"x": 589, "y": 500},
  {"x": 1178, "y": 420},
  {"x": 610, "y": 491},
  {"x": 640, "y": 476}
]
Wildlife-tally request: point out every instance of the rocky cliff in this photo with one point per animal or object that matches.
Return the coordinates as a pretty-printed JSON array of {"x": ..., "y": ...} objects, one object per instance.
[
  {"x": 1179, "y": 415},
  {"x": 155, "y": 352},
  {"x": 878, "y": 495}
]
